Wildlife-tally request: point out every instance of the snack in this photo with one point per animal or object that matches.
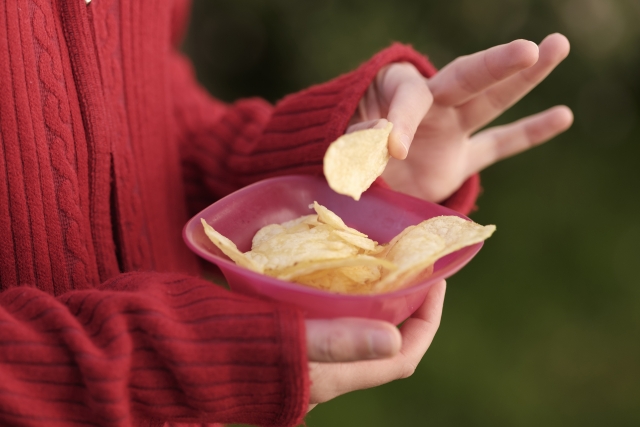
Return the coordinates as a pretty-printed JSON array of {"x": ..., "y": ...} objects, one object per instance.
[
  {"x": 353, "y": 161},
  {"x": 321, "y": 251}
]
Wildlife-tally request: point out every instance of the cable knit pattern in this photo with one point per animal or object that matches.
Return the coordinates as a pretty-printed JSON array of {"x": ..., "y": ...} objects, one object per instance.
[{"x": 57, "y": 120}]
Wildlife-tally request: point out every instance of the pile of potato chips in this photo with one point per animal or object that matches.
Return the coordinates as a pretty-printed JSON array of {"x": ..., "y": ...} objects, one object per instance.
[{"x": 321, "y": 251}]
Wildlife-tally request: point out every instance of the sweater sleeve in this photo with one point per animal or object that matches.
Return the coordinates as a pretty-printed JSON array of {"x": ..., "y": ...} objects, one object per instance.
[
  {"x": 225, "y": 147},
  {"x": 150, "y": 346}
]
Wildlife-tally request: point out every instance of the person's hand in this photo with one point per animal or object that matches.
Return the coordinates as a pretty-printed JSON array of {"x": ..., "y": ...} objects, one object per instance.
[
  {"x": 351, "y": 354},
  {"x": 436, "y": 118}
]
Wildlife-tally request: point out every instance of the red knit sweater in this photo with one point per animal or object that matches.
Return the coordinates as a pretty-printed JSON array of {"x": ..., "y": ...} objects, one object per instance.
[{"x": 104, "y": 137}]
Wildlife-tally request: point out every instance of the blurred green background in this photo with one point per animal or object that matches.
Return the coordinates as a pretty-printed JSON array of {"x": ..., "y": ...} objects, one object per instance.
[{"x": 543, "y": 327}]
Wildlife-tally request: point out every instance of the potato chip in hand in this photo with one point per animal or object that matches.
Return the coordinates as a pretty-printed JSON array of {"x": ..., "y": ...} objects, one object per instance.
[{"x": 355, "y": 160}]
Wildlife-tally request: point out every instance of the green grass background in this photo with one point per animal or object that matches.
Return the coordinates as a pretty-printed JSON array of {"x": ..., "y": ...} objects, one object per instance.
[{"x": 542, "y": 328}]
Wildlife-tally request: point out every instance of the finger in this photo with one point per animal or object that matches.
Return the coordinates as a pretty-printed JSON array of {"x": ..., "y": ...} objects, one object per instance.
[
  {"x": 409, "y": 102},
  {"x": 419, "y": 330},
  {"x": 331, "y": 380},
  {"x": 497, "y": 143},
  {"x": 469, "y": 75},
  {"x": 485, "y": 107},
  {"x": 350, "y": 339}
]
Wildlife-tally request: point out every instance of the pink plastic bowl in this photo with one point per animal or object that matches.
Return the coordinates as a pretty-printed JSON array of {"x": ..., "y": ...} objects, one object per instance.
[{"x": 380, "y": 213}]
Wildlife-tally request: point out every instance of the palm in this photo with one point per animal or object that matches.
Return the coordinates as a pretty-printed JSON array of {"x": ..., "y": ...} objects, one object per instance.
[
  {"x": 437, "y": 162},
  {"x": 441, "y": 115}
]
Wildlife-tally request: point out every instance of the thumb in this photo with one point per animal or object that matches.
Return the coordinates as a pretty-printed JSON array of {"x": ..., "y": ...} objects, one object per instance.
[
  {"x": 409, "y": 103},
  {"x": 351, "y": 339}
]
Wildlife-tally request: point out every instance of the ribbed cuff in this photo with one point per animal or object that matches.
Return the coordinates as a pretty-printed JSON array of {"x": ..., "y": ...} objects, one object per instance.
[{"x": 464, "y": 199}]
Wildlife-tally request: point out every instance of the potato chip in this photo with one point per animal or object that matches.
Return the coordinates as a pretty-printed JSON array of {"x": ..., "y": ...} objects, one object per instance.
[
  {"x": 429, "y": 241},
  {"x": 330, "y": 218},
  {"x": 229, "y": 248},
  {"x": 386, "y": 248},
  {"x": 308, "y": 267},
  {"x": 415, "y": 248},
  {"x": 355, "y": 160},
  {"x": 258, "y": 259},
  {"x": 311, "y": 220},
  {"x": 285, "y": 250},
  {"x": 362, "y": 274},
  {"x": 292, "y": 226},
  {"x": 265, "y": 233},
  {"x": 358, "y": 241},
  {"x": 298, "y": 228},
  {"x": 345, "y": 280},
  {"x": 331, "y": 281},
  {"x": 417, "y": 244},
  {"x": 457, "y": 232},
  {"x": 305, "y": 219}
]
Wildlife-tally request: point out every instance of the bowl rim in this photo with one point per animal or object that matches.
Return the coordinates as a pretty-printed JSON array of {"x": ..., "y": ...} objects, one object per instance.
[{"x": 440, "y": 274}]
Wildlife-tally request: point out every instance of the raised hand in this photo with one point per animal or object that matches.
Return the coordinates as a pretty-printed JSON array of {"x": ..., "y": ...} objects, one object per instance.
[
  {"x": 352, "y": 354},
  {"x": 438, "y": 118}
]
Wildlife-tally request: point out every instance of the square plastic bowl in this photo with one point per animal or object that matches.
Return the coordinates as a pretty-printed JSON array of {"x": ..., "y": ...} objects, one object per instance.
[{"x": 380, "y": 213}]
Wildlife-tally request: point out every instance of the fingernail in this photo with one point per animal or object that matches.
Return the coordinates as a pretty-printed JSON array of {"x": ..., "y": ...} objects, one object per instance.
[
  {"x": 406, "y": 142},
  {"x": 381, "y": 343}
]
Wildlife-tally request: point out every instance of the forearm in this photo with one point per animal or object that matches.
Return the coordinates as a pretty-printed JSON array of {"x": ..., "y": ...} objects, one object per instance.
[{"x": 167, "y": 346}]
